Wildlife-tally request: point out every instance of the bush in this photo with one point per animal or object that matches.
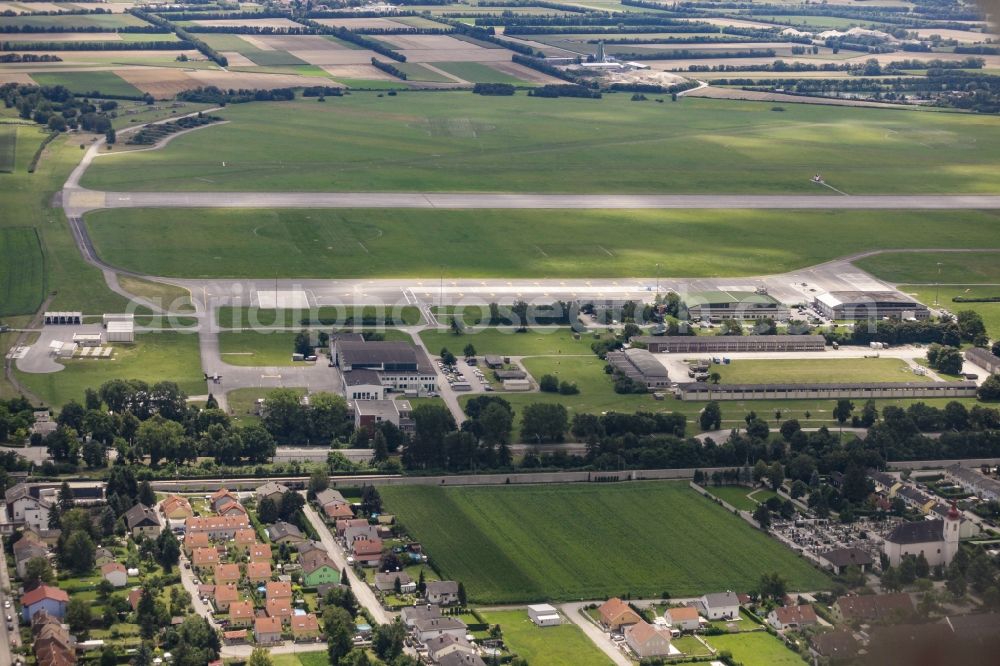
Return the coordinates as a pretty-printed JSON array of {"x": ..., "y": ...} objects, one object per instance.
[
  {"x": 497, "y": 89},
  {"x": 548, "y": 384},
  {"x": 566, "y": 388}
]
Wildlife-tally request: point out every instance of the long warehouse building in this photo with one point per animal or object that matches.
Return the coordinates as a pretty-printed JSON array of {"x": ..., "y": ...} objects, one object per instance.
[
  {"x": 693, "y": 344},
  {"x": 860, "y": 391}
]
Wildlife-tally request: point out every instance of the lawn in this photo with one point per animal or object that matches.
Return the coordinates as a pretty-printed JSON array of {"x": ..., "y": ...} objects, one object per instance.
[
  {"x": 990, "y": 312},
  {"x": 933, "y": 267},
  {"x": 22, "y": 271},
  {"x": 757, "y": 648},
  {"x": 107, "y": 83},
  {"x": 8, "y": 148},
  {"x": 153, "y": 358},
  {"x": 365, "y": 315},
  {"x": 167, "y": 296},
  {"x": 565, "y": 645},
  {"x": 822, "y": 371},
  {"x": 258, "y": 348},
  {"x": 458, "y": 141},
  {"x": 522, "y": 243},
  {"x": 508, "y": 342},
  {"x": 558, "y": 542},
  {"x": 739, "y": 496}
]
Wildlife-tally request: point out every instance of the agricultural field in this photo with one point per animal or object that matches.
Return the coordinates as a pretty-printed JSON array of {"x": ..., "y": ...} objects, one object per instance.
[
  {"x": 107, "y": 83},
  {"x": 517, "y": 543},
  {"x": 757, "y": 648},
  {"x": 475, "y": 72},
  {"x": 457, "y": 141},
  {"x": 8, "y": 147},
  {"x": 108, "y": 21},
  {"x": 562, "y": 243},
  {"x": 22, "y": 271},
  {"x": 153, "y": 358},
  {"x": 823, "y": 371},
  {"x": 565, "y": 645}
]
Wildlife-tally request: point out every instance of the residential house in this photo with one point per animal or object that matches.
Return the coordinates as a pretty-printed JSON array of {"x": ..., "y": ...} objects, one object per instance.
[
  {"x": 386, "y": 582},
  {"x": 439, "y": 647},
  {"x": 615, "y": 614},
  {"x": 309, "y": 546},
  {"x": 259, "y": 572},
  {"x": 225, "y": 595},
  {"x": 133, "y": 597},
  {"x": 195, "y": 540},
  {"x": 544, "y": 615},
  {"x": 338, "y": 511},
  {"x": 441, "y": 592},
  {"x": 23, "y": 507},
  {"x": 260, "y": 552},
  {"x": 410, "y": 614},
  {"x": 873, "y": 607},
  {"x": 115, "y": 573},
  {"x": 46, "y": 598},
  {"x": 26, "y": 548},
  {"x": 175, "y": 507},
  {"x": 305, "y": 627},
  {"x": 368, "y": 552},
  {"x": 234, "y": 637},
  {"x": 102, "y": 556},
  {"x": 317, "y": 568},
  {"x": 233, "y": 509},
  {"x": 141, "y": 520},
  {"x": 461, "y": 659},
  {"x": 220, "y": 498},
  {"x": 217, "y": 527},
  {"x": 278, "y": 590},
  {"x": 355, "y": 532},
  {"x": 51, "y": 642},
  {"x": 270, "y": 490},
  {"x": 227, "y": 573},
  {"x": 329, "y": 496},
  {"x": 684, "y": 618},
  {"x": 792, "y": 617},
  {"x": 282, "y": 532},
  {"x": 839, "y": 559},
  {"x": 205, "y": 559},
  {"x": 647, "y": 641},
  {"x": 425, "y": 630},
  {"x": 835, "y": 646},
  {"x": 267, "y": 630},
  {"x": 244, "y": 538},
  {"x": 241, "y": 613},
  {"x": 720, "y": 605},
  {"x": 280, "y": 608},
  {"x": 342, "y": 525}
]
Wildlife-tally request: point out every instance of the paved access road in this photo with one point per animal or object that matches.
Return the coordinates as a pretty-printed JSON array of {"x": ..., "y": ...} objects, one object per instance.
[{"x": 78, "y": 200}]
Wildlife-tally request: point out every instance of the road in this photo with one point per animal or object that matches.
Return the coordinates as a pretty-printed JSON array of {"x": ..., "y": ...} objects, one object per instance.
[
  {"x": 78, "y": 200},
  {"x": 362, "y": 592},
  {"x": 6, "y": 657}
]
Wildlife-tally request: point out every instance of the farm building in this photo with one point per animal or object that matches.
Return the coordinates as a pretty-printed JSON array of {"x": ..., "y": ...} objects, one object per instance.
[
  {"x": 861, "y": 391},
  {"x": 544, "y": 615},
  {"x": 121, "y": 331},
  {"x": 55, "y": 318},
  {"x": 735, "y": 305},
  {"x": 864, "y": 305},
  {"x": 707, "y": 344},
  {"x": 984, "y": 359},
  {"x": 369, "y": 369},
  {"x": 640, "y": 366}
]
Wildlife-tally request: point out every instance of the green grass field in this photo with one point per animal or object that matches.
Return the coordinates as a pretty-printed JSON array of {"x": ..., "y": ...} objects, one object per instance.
[
  {"x": 109, "y": 21},
  {"x": 108, "y": 83},
  {"x": 475, "y": 72},
  {"x": 167, "y": 296},
  {"x": 990, "y": 312},
  {"x": 757, "y": 648},
  {"x": 923, "y": 267},
  {"x": 560, "y": 542},
  {"x": 244, "y": 317},
  {"x": 154, "y": 357},
  {"x": 565, "y": 645},
  {"x": 275, "y": 58},
  {"x": 243, "y": 401},
  {"x": 416, "y": 72},
  {"x": 457, "y": 141},
  {"x": 743, "y": 498},
  {"x": 271, "y": 348},
  {"x": 507, "y": 342},
  {"x": 823, "y": 371},
  {"x": 8, "y": 148},
  {"x": 522, "y": 243},
  {"x": 22, "y": 271}
]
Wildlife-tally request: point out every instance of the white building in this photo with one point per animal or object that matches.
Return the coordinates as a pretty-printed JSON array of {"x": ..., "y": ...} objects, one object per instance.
[
  {"x": 121, "y": 331},
  {"x": 720, "y": 605},
  {"x": 23, "y": 507},
  {"x": 936, "y": 540},
  {"x": 544, "y": 615}
]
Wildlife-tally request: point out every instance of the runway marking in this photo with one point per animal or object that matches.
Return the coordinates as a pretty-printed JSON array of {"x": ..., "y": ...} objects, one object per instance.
[
  {"x": 363, "y": 247},
  {"x": 607, "y": 251},
  {"x": 541, "y": 251}
]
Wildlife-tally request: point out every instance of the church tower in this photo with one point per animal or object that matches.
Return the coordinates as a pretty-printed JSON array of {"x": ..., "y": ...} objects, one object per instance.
[{"x": 952, "y": 522}]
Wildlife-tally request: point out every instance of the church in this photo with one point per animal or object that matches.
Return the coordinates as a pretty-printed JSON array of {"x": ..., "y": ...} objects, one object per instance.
[{"x": 937, "y": 540}]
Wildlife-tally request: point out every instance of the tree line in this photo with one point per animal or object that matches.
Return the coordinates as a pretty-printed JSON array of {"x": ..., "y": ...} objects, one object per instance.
[
  {"x": 179, "y": 45},
  {"x": 389, "y": 68},
  {"x": 354, "y": 38}
]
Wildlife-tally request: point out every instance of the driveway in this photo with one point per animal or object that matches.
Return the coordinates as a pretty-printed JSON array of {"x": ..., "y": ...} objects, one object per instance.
[{"x": 597, "y": 635}]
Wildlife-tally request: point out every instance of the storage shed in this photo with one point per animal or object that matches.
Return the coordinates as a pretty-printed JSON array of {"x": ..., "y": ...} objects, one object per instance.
[{"x": 121, "y": 331}]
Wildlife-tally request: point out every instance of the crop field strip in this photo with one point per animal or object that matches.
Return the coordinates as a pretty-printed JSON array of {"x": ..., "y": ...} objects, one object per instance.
[
  {"x": 22, "y": 271},
  {"x": 558, "y": 542},
  {"x": 8, "y": 147}
]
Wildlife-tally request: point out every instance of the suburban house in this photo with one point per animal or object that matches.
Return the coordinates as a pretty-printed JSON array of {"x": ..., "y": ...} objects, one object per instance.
[
  {"x": 243, "y": 539},
  {"x": 205, "y": 559},
  {"x": 646, "y": 641},
  {"x": 355, "y": 532},
  {"x": 386, "y": 582},
  {"x": 133, "y": 597},
  {"x": 102, "y": 556},
  {"x": 282, "y": 532},
  {"x": 792, "y": 617},
  {"x": 368, "y": 552},
  {"x": 217, "y": 527},
  {"x": 305, "y": 627},
  {"x": 24, "y": 508},
  {"x": 839, "y": 559},
  {"x": 616, "y": 614},
  {"x": 233, "y": 509},
  {"x": 241, "y": 613},
  {"x": 425, "y": 630},
  {"x": 224, "y": 596},
  {"x": 175, "y": 507},
  {"x": 337, "y": 511},
  {"x": 142, "y": 520},
  {"x": 267, "y": 630},
  {"x": 270, "y": 490},
  {"x": 260, "y": 552},
  {"x": 936, "y": 540},
  {"x": 27, "y": 548},
  {"x": 234, "y": 637},
  {"x": 115, "y": 573},
  {"x": 227, "y": 573},
  {"x": 684, "y": 618},
  {"x": 51, "y": 641},
  {"x": 441, "y": 592},
  {"x": 873, "y": 607},
  {"x": 329, "y": 496},
  {"x": 835, "y": 646},
  {"x": 410, "y": 614},
  {"x": 343, "y": 525},
  {"x": 720, "y": 605},
  {"x": 318, "y": 568},
  {"x": 196, "y": 540},
  {"x": 447, "y": 644},
  {"x": 278, "y": 590},
  {"x": 46, "y": 598},
  {"x": 220, "y": 498},
  {"x": 461, "y": 659},
  {"x": 544, "y": 615},
  {"x": 280, "y": 608},
  {"x": 259, "y": 572}
]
